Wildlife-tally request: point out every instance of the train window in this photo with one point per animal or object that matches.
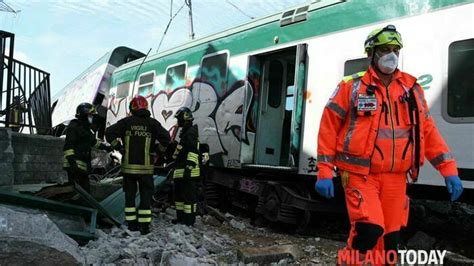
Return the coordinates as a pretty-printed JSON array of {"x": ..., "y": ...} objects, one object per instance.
[
  {"x": 460, "y": 79},
  {"x": 356, "y": 65},
  {"x": 293, "y": 16},
  {"x": 122, "y": 89},
  {"x": 145, "y": 83},
  {"x": 175, "y": 76},
  {"x": 214, "y": 71},
  {"x": 275, "y": 82}
]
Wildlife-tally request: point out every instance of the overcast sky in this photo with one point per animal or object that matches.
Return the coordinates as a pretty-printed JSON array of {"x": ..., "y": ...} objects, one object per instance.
[{"x": 64, "y": 37}]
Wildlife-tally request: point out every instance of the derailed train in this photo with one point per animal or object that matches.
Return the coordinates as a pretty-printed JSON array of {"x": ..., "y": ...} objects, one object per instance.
[{"x": 257, "y": 93}]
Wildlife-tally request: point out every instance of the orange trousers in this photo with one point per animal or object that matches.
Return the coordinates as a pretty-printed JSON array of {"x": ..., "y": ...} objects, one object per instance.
[{"x": 378, "y": 207}]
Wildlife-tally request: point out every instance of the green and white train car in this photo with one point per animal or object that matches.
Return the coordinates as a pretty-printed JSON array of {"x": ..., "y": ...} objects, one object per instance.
[
  {"x": 91, "y": 86},
  {"x": 258, "y": 90}
]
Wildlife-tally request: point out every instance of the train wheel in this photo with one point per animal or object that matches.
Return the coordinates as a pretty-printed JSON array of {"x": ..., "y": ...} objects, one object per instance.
[
  {"x": 211, "y": 194},
  {"x": 271, "y": 206},
  {"x": 303, "y": 217}
]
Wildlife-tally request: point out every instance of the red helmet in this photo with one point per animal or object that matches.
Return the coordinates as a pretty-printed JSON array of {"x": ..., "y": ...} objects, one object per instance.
[{"x": 138, "y": 103}]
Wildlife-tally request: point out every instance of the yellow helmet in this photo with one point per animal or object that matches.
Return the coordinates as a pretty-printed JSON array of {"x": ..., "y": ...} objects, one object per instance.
[{"x": 387, "y": 35}]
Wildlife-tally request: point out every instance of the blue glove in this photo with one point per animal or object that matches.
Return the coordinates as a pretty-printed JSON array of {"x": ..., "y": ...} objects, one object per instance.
[
  {"x": 454, "y": 186},
  {"x": 325, "y": 187}
]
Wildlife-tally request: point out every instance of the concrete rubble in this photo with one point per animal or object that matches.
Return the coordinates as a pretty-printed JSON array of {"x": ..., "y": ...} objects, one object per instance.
[
  {"x": 268, "y": 255},
  {"x": 209, "y": 242},
  {"x": 223, "y": 239},
  {"x": 23, "y": 241},
  {"x": 214, "y": 240}
]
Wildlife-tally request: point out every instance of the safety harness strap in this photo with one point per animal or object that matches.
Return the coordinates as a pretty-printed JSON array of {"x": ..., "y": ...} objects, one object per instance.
[{"x": 415, "y": 120}]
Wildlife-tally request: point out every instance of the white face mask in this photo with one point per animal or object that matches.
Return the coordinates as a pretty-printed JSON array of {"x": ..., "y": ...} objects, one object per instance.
[
  {"x": 388, "y": 63},
  {"x": 90, "y": 118}
]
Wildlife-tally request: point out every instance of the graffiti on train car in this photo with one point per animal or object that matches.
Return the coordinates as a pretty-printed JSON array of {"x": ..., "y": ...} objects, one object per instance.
[
  {"x": 219, "y": 118},
  {"x": 84, "y": 88}
]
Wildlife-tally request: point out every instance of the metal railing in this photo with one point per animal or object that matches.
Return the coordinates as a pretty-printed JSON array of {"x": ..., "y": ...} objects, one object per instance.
[{"x": 25, "y": 103}]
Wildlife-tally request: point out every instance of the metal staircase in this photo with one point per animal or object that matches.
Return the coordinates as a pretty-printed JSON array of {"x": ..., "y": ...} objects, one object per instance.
[{"x": 25, "y": 104}]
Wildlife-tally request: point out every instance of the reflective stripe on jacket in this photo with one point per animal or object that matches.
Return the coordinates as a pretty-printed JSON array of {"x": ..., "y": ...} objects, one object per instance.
[
  {"x": 187, "y": 154},
  {"x": 138, "y": 133},
  {"x": 373, "y": 129},
  {"x": 77, "y": 145}
]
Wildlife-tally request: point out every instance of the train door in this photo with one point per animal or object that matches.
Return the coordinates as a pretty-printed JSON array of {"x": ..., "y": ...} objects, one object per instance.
[{"x": 280, "y": 107}]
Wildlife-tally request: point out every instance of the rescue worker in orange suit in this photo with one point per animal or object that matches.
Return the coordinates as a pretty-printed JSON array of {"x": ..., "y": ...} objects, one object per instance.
[
  {"x": 376, "y": 129},
  {"x": 187, "y": 168},
  {"x": 139, "y": 134},
  {"x": 77, "y": 146}
]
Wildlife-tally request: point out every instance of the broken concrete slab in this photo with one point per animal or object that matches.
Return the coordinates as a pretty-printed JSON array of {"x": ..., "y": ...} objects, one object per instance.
[
  {"x": 217, "y": 214},
  {"x": 210, "y": 245},
  {"x": 65, "y": 222},
  {"x": 237, "y": 225},
  {"x": 211, "y": 220},
  {"x": 62, "y": 210},
  {"x": 178, "y": 259},
  {"x": 266, "y": 255},
  {"x": 27, "y": 238}
]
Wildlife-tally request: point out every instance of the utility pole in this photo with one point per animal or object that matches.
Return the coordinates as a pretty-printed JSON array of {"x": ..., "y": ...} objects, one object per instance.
[{"x": 191, "y": 30}]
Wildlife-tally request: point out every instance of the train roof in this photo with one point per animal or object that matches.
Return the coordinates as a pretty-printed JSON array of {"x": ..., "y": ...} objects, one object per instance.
[
  {"x": 311, "y": 6},
  {"x": 343, "y": 15},
  {"x": 108, "y": 57}
]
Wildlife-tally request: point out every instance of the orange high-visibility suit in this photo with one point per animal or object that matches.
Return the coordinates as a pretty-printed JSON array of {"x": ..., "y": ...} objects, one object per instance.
[{"x": 375, "y": 136}]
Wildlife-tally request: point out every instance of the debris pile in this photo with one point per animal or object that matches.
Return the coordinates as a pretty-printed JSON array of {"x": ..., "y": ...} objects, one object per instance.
[
  {"x": 167, "y": 244},
  {"x": 214, "y": 240},
  {"x": 440, "y": 225},
  {"x": 23, "y": 240},
  {"x": 209, "y": 242}
]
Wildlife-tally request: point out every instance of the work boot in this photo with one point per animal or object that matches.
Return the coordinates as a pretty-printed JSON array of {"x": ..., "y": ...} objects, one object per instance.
[
  {"x": 133, "y": 226},
  {"x": 144, "y": 229}
]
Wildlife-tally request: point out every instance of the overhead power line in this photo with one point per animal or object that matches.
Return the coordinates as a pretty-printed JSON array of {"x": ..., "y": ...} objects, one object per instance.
[
  {"x": 167, "y": 27},
  {"x": 4, "y": 7},
  {"x": 240, "y": 10}
]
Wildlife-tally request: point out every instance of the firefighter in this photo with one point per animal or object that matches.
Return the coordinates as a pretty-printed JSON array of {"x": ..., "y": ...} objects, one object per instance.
[
  {"x": 376, "y": 129},
  {"x": 139, "y": 134},
  {"x": 187, "y": 168},
  {"x": 77, "y": 146}
]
